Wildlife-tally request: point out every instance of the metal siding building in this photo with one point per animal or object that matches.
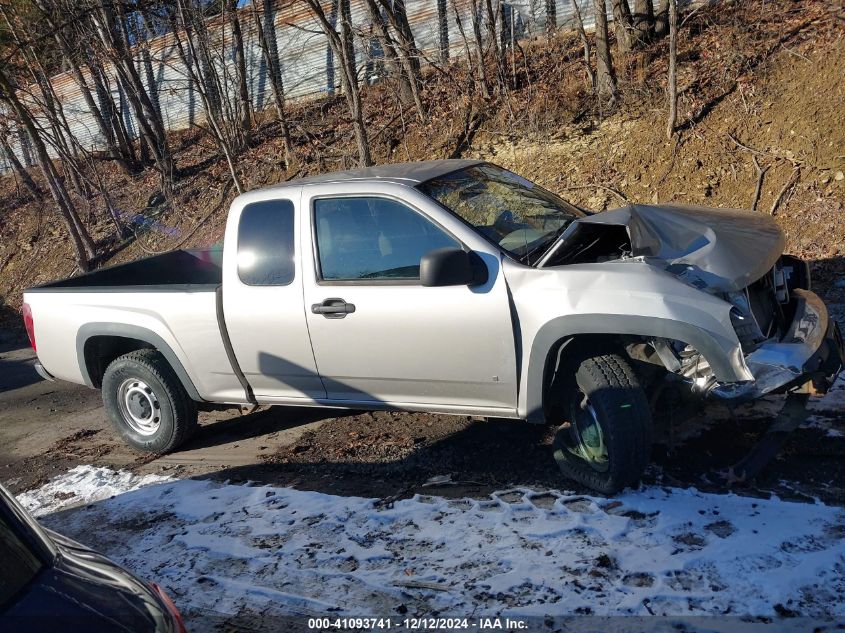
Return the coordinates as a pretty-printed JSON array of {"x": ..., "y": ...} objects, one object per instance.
[{"x": 305, "y": 60}]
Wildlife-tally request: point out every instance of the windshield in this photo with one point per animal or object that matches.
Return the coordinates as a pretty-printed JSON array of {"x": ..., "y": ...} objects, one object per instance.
[{"x": 514, "y": 213}]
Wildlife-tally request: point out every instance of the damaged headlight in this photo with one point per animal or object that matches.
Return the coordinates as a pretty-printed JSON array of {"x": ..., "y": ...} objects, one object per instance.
[{"x": 747, "y": 330}]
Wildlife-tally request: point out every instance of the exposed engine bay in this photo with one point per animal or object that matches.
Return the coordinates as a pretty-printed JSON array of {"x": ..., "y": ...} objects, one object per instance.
[{"x": 734, "y": 255}]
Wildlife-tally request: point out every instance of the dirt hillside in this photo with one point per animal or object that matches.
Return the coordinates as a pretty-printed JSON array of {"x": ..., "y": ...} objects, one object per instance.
[{"x": 758, "y": 81}]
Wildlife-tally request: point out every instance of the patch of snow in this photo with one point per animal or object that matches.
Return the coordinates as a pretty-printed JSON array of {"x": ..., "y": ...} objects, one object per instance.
[
  {"x": 83, "y": 484},
  {"x": 235, "y": 549}
]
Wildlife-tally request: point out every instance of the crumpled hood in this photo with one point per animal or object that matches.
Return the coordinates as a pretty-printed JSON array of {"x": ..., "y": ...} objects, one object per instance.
[{"x": 717, "y": 249}]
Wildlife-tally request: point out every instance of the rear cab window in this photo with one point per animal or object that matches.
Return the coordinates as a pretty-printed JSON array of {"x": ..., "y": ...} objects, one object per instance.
[{"x": 266, "y": 243}]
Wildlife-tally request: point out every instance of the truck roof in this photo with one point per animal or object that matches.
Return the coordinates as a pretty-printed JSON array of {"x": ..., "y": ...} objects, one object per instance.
[{"x": 411, "y": 173}]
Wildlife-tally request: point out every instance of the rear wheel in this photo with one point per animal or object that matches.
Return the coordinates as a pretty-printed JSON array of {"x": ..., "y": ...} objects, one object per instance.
[
  {"x": 605, "y": 440},
  {"x": 146, "y": 402}
]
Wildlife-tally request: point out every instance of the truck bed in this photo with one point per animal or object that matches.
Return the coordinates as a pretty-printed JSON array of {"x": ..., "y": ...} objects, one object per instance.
[{"x": 176, "y": 271}]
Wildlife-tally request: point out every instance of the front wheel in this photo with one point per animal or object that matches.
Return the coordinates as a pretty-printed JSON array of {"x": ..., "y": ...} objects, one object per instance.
[
  {"x": 146, "y": 402},
  {"x": 605, "y": 441}
]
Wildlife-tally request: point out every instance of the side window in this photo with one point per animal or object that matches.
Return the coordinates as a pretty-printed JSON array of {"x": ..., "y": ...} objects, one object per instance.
[
  {"x": 373, "y": 238},
  {"x": 265, "y": 243}
]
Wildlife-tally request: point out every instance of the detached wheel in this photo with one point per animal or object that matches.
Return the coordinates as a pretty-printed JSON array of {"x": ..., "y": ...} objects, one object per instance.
[
  {"x": 146, "y": 402},
  {"x": 605, "y": 442}
]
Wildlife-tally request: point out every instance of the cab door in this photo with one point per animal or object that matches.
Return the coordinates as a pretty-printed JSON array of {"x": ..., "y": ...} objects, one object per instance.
[
  {"x": 262, "y": 298},
  {"x": 378, "y": 335}
]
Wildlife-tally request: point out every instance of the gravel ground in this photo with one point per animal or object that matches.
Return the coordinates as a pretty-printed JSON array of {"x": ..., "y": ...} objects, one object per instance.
[{"x": 48, "y": 428}]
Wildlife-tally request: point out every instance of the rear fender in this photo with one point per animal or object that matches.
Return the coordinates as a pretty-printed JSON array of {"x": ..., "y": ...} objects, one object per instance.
[{"x": 92, "y": 330}]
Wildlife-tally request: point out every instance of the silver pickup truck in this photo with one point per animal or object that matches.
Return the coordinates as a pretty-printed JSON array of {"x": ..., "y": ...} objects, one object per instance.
[{"x": 450, "y": 286}]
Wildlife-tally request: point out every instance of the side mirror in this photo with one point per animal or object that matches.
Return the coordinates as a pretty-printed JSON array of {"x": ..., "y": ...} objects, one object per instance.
[{"x": 452, "y": 267}]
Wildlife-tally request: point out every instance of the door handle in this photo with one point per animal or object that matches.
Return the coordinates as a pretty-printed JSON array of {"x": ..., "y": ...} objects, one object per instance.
[{"x": 333, "y": 308}]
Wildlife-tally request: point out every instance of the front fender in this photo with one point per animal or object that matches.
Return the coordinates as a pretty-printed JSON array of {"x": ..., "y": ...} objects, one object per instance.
[{"x": 614, "y": 298}]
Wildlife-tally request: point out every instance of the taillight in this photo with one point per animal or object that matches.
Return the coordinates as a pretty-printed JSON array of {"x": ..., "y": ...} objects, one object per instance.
[
  {"x": 171, "y": 608},
  {"x": 29, "y": 324}
]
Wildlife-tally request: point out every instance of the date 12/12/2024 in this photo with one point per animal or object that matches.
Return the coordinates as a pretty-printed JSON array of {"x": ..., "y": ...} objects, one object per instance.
[{"x": 415, "y": 624}]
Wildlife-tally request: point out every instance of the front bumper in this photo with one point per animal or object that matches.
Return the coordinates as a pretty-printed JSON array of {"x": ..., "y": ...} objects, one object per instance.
[{"x": 811, "y": 351}]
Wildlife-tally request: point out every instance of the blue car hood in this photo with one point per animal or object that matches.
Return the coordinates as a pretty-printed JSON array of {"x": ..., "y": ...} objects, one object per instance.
[{"x": 84, "y": 591}]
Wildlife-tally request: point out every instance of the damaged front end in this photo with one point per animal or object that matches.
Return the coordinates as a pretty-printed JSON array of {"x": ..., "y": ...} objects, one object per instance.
[
  {"x": 787, "y": 341},
  {"x": 798, "y": 347}
]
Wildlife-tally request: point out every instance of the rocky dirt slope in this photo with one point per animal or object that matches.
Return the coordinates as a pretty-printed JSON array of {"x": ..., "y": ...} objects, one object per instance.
[{"x": 758, "y": 82}]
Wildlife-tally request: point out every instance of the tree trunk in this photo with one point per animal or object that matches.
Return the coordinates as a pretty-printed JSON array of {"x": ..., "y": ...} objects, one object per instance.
[
  {"x": 672, "y": 86},
  {"x": 661, "y": 19},
  {"x": 82, "y": 242},
  {"x": 240, "y": 65},
  {"x": 551, "y": 17},
  {"x": 19, "y": 169},
  {"x": 149, "y": 75},
  {"x": 479, "y": 46},
  {"x": 643, "y": 21},
  {"x": 114, "y": 151},
  {"x": 392, "y": 65},
  {"x": 266, "y": 42},
  {"x": 579, "y": 24},
  {"x": 606, "y": 78},
  {"x": 111, "y": 114},
  {"x": 190, "y": 59},
  {"x": 442, "y": 32},
  {"x": 61, "y": 138},
  {"x": 407, "y": 49},
  {"x": 111, "y": 32},
  {"x": 622, "y": 25},
  {"x": 467, "y": 52},
  {"x": 147, "y": 61},
  {"x": 495, "y": 44},
  {"x": 341, "y": 45}
]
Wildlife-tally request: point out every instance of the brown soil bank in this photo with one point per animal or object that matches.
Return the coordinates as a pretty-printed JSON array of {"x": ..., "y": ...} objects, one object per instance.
[
  {"x": 789, "y": 116},
  {"x": 759, "y": 82}
]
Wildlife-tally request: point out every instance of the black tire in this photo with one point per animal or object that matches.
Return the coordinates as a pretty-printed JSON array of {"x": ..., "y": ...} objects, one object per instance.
[
  {"x": 605, "y": 391},
  {"x": 146, "y": 402}
]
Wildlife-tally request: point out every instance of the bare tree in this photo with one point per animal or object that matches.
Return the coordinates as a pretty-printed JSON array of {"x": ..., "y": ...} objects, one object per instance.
[
  {"x": 661, "y": 19},
  {"x": 341, "y": 45},
  {"x": 622, "y": 25},
  {"x": 551, "y": 17},
  {"x": 406, "y": 49},
  {"x": 672, "y": 84},
  {"x": 19, "y": 170},
  {"x": 194, "y": 50},
  {"x": 48, "y": 103},
  {"x": 110, "y": 21},
  {"x": 605, "y": 76},
  {"x": 110, "y": 109},
  {"x": 493, "y": 37},
  {"x": 82, "y": 241},
  {"x": 121, "y": 153},
  {"x": 267, "y": 44},
  {"x": 143, "y": 37},
  {"x": 468, "y": 56},
  {"x": 643, "y": 21},
  {"x": 579, "y": 24},
  {"x": 231, "y": 8},
  {"x": 479, "y": 47}
]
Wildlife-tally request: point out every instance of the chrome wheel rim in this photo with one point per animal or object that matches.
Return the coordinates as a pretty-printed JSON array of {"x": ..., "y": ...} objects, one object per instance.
[
  {"x": 586, "y": 438},
  {"x": 139, "y": 406}
]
